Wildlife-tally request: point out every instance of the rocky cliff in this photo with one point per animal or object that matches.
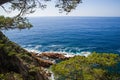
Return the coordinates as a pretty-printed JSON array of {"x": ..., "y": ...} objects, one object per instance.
[{"x": 18, "y": 64}]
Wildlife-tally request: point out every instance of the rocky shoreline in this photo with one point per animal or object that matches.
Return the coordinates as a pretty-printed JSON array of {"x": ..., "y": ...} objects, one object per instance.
[{"x": 47, "y": 59}]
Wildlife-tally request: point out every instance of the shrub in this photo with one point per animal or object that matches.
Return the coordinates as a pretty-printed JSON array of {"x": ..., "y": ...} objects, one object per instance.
[{"x": 94, "y": 67}]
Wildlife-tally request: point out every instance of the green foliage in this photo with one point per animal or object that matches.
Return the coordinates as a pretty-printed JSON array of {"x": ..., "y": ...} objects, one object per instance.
[
  {"x": 18, "y": 64},
  {"x": 67, "y": 5},
  {"x": 33, "y": 69},
  {"x": 11, "y": 53},
  {"x": 29, "y": 6},
  {"x": 5, "y": 21},
  {"x": 12, "y": 23},
  {"x": 10, "y": 76},
  {"x": 1, "y": 76},
  {"x": 26, "y": 57},
  {"x": 96, "y": 66}
]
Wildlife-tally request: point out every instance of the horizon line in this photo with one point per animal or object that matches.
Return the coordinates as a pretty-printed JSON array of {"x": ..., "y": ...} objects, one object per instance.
[{"x": 72, "y": 16}]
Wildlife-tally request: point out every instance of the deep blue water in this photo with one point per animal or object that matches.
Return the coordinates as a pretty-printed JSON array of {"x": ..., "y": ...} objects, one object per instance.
[{"x": 70, "y": 34}]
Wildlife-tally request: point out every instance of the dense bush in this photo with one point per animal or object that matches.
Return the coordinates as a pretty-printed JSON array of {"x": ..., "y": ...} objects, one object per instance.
[{"x": 94, "y": 67}]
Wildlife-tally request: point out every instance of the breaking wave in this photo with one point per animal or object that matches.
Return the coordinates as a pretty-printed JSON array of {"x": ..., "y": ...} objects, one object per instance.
[{"x": 68, "y": 51}]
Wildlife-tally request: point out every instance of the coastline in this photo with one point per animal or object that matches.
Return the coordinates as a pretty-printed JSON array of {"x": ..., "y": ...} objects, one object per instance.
[
  {"x": 66, "y": 54},
  {"x": 49, "y": 58}
]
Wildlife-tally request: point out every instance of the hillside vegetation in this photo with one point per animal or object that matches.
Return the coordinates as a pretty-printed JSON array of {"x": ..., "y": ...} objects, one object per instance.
[
  {"x": 18, "y": 64},
  {"x": 96, "y": 66}
]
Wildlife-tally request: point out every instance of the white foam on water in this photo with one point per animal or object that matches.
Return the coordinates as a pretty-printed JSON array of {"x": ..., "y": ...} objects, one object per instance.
[
  {"x": 32, "y": 50},
  {"x": 29, "y": 45},
  {"x": 118, "y": 50},
  {"x": 38, "y": 46},
  {"x": 62, "y": 51},
  {"x": 23, "y": 46},
  {"x": 54, "y": 45},
  {"x": 69, "y": 55},
  {"x": 85, "y": 53}
]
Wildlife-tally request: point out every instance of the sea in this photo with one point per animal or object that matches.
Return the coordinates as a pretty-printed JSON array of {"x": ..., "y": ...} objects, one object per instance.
[{"x": 72, "y": 35}]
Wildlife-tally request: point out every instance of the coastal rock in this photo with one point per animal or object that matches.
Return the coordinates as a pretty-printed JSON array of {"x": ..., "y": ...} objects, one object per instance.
[
  {"x": 51, "y": 55},
  {"x": 45, "y": 63},
  {"x": 46, "y": 59}
]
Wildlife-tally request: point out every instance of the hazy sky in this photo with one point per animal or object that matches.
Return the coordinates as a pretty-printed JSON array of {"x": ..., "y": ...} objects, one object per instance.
[{"x": 87, "y": 8}]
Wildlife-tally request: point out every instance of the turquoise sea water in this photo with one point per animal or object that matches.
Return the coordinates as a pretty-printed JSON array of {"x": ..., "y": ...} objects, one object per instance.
[{"x": 70, "y": 34}]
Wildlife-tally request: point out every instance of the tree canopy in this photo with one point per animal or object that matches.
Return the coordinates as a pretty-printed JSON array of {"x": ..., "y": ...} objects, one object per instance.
[
  {"x": 12, "y": 23},
  {"x": 97, "y": 66},
  {"x": 27, "y": 7}
]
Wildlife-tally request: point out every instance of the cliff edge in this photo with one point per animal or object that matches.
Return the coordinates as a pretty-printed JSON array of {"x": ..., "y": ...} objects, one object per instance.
[{"x": 17, "y": 63}]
